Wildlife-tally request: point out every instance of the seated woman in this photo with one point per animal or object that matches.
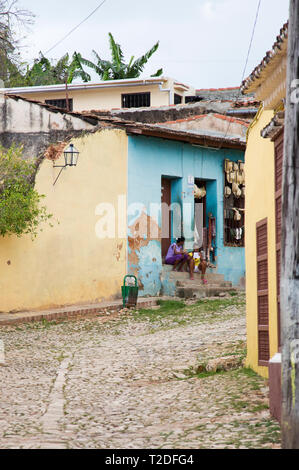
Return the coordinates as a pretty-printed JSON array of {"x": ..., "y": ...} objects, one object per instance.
[
  {"x": 199, "y": 263},
  {"x": 177, "y": 256}
]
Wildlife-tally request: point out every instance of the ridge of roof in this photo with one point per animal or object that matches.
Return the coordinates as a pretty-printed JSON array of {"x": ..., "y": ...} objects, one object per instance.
[
  {"x": 201, "y": 116},
  {"x": 218, "y": 89},
  {"x": 202, "y": 137}
]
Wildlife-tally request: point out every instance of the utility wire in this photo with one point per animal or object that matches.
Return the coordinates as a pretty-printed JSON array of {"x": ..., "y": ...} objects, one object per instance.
[
  {"x": 246, "y": 63},
  {"x": 66, "y": 36},
  {"x": 76, "y": 27},
  {"x": 252, "y": 37}
]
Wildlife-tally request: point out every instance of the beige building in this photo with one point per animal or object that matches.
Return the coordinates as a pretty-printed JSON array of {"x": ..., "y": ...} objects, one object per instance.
[{"x": 106, "y": 95}]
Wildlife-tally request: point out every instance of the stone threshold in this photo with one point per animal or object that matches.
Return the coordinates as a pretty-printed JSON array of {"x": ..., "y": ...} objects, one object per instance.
[{"x": 71, "y": 312}]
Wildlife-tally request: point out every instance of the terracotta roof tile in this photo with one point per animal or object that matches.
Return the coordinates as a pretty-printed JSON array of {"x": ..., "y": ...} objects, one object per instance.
[
  {"x": 276, "y": 48},
  {"x": 201, "y": 116}
]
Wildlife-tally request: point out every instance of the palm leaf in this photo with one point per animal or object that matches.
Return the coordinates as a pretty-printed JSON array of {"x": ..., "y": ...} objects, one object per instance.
[
  {"x": 76, "y": 70},
  {"x": 158, "y": 73},
  {"x": 93, "y": 66},
  {"x": 116, "y": 52},
  {"x": 139, "y": 64}
]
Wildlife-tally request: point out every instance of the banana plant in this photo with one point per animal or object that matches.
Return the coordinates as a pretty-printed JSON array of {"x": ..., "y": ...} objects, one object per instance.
[{"x": 117, "y": 69}]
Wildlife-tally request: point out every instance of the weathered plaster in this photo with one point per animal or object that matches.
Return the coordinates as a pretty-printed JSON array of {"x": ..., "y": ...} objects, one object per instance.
[
  {"x": 144, "y": 254},
  {"x": 151, "y": 158},
  {"x": 36, "y": 127},
  {"x": 68, "y": 264}
]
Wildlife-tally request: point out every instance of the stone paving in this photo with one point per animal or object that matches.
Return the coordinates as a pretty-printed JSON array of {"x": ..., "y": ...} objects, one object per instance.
[{"x": 132, "y": 382}]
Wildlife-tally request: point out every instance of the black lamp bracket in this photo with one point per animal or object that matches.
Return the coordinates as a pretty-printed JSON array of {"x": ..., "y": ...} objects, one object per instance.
[{"x": 58, "y": 166}]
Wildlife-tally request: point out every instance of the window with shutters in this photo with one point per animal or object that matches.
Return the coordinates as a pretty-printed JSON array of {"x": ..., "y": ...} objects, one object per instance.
[
  {"x": 262, "y": 292},
  {"x": 136, "y": 100},
  {"x": 279, "y": 142}
]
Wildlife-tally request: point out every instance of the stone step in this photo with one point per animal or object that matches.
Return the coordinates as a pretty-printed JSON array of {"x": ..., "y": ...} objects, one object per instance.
[
  {"x": 198, "y": 283},
  {"x": 201, "y": 292},
  {"x": 210, "y": 277}
]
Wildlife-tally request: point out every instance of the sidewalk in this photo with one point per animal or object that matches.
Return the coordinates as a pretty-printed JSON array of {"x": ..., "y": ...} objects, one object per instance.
[{"x": 74, "y": 311}]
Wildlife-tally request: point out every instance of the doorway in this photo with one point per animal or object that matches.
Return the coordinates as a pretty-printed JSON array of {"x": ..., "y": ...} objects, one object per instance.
[
  {"x": 200, "y": 214},
  {"x": 165, "y": 215}
]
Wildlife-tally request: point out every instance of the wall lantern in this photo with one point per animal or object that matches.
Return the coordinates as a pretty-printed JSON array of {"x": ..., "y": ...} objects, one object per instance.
[{"x": 71, "y": 155}]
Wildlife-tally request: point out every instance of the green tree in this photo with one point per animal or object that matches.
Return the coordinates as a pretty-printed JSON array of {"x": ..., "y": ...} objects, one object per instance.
[
  {"x": 43, "y": 72},
  {"x": 13, "y": 20},
  {"x": 21, "y": 211},
  {"x": 117, "y": 69}
]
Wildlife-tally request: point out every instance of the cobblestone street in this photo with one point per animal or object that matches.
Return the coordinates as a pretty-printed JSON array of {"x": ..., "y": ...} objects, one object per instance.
[{"x": 134, "y": 380}]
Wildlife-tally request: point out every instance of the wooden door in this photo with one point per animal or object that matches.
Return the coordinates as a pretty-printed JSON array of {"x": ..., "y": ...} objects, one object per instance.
[
  {"x": 166, "y": 215},
  {"x": 262, "y": 293}
]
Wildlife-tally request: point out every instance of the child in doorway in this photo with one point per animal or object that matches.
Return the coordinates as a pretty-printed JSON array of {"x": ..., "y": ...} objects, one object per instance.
[{"x": 198, "y": 260}]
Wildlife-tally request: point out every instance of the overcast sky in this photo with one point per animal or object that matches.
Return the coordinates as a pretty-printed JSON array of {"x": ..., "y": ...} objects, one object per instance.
[{"x": 203, "y": 43}]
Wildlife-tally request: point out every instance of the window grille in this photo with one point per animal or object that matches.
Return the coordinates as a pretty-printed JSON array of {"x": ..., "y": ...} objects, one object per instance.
[
  {"x": 136, "y": 100},
  {"x": 61, "y": 104}
]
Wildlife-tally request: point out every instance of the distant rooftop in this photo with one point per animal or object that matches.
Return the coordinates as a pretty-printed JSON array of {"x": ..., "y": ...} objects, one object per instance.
[{"x": 94, "y": 85}]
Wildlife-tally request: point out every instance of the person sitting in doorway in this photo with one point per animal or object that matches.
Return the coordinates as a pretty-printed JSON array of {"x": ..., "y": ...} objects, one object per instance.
[
  {"x": 198, "y": 260},
  {"x": 178, "y": 257}
]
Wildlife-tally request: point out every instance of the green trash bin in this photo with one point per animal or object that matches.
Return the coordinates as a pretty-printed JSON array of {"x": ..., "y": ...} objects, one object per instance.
[{"x": 129, "y": 293}]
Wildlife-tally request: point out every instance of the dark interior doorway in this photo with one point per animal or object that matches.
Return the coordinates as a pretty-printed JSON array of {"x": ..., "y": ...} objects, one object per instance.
[
  {"x": 200, "y": 216},
  {"x": 166, "y": 215}
]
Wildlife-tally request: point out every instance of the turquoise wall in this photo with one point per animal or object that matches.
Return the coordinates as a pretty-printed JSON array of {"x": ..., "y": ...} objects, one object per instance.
[{"x": 151, "y": 158}]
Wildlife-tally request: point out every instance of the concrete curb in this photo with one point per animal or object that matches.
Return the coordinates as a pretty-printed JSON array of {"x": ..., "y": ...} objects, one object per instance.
[{"x": 73, "y": 312}]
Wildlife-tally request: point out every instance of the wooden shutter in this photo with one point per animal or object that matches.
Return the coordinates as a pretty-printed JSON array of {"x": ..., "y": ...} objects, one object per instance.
[
  {"x": 279, "y": 142},
  {"x": 262, "y": 292}
]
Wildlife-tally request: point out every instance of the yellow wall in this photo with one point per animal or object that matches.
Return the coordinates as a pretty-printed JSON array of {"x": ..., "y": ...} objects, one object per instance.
[
  {"x": 68, "y": 264},
  {"x": 260, "y": 203},
  {"x": 103, "y": 98}
]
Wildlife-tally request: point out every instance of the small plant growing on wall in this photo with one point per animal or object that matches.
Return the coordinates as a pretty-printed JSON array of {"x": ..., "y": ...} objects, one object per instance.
[{"x": 21, "y": 211}]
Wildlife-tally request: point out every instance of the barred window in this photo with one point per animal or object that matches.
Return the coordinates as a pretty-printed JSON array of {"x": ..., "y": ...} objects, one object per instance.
[
  {"x": 61, "y": 104},
  {"x": 136, "y": 100}
]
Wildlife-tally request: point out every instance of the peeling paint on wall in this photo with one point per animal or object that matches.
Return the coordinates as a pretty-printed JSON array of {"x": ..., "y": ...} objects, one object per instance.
[{"x": 144, "y": 254}]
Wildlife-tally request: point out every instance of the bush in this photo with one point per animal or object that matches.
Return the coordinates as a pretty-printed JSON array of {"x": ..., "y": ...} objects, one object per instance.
[{"x": 20, "y": 204}]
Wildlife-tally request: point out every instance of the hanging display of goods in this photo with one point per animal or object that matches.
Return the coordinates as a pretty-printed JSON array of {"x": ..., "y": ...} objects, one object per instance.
[
  {"x": 237, "y": 216},
  {"x": 243, "y": 191},
  {"x": 227, "y": 191},
  {"x": 228, "y": 166},
  {"x": 240, "y": 177},
  {"x": 199, "y": 193},
  {"x": 231, "y": 177},
  {"x": 236, "y": 167},
  {"x": 235, "y": 188},
  {"x": 241, "y": 165}
]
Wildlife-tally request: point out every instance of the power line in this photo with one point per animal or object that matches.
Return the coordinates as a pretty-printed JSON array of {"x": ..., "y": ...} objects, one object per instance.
[
  {"x": 246, "y": 63},
  {"x": 252, "y": 36},
  {"x": 76, "y": 27}
]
